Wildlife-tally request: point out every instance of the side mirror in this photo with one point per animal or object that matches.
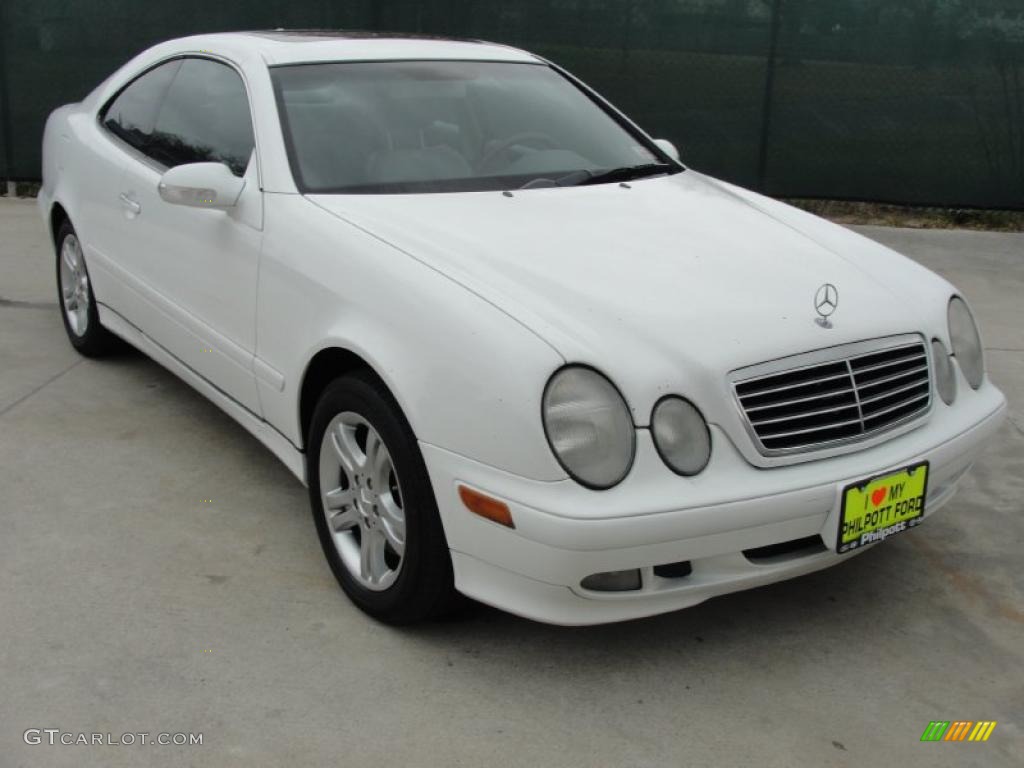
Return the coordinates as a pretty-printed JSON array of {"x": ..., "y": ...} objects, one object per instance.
[
  {"x": 201, "y": 185},
  {"x": 668, "y": 148}
]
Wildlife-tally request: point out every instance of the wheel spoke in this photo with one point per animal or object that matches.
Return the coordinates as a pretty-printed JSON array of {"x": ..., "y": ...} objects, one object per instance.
[
  {"x": 373, "y": 449},
  {"x": 344, "y": 520},
  {"x": 67, "y": 253},
  {"x": 343, "y": 444},
  {"x": 371, "y": 560},
  {"x": 392, "y": 522},
  {"x": 397, "y": 543},
  {"x": 339, "y": 497},
  {"x": 380, "y": 469},
  {"x": 390, "y": 510}
]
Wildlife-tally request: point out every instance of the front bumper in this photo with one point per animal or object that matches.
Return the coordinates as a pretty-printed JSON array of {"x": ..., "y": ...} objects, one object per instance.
[{"x": 565, "y": 533}]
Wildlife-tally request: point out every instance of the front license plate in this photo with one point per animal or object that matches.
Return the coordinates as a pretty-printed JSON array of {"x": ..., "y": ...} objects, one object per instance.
[{"x": 880, "y": 507}]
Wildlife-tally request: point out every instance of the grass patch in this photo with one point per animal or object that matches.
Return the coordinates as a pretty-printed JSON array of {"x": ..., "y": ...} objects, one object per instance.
[
  {"x": 27, "y": 188},
  {"x": 883, "y": 214}
]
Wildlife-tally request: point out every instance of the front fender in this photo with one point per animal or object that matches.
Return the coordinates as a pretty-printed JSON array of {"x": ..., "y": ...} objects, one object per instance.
[{"x": 467, "y": 376}]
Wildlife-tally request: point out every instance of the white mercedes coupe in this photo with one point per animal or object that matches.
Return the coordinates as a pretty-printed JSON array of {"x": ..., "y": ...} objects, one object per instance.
[{"x": 515, "y": 349}]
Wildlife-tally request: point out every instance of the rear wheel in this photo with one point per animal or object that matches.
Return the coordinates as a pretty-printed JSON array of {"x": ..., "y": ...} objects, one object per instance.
[
  {"x": 373, "y": 505},
  {"x": 77, "y": 302}
]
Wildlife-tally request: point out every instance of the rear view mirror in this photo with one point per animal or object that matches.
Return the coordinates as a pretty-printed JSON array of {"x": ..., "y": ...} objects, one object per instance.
[
  {"x": 668, "y": 148},
  {"x": 201, "y": 185}
]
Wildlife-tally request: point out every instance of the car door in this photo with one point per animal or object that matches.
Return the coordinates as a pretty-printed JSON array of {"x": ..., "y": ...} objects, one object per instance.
[
  {"x": 124, "y": 125},
  {"x": 194, "y": 270}
]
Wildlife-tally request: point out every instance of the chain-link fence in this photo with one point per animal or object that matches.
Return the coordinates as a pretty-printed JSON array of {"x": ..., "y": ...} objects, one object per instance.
[{"x": 906, "y": 101}]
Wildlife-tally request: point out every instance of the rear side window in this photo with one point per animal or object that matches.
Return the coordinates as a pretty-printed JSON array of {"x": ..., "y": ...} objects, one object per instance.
[
  {"x": 204, "y": 118},
  {"x": 132, "y": 114}
]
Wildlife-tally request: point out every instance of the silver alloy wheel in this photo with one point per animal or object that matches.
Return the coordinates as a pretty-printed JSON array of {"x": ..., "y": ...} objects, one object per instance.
[
  {"x": 362, "y": 501},
  {"x": 74, "y": 285}
]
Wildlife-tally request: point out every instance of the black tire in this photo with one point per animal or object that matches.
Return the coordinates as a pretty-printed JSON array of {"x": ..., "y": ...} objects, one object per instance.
[
  {"x": 95, "y": 340},
  {"x": 424, "y": 587}
]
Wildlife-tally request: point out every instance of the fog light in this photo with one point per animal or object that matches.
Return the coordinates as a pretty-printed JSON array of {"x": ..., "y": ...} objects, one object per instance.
[{"x": 613, "y": 581}]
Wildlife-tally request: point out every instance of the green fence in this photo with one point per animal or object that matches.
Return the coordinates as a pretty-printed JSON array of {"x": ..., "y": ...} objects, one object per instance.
[{"x": 907, "y": 101}]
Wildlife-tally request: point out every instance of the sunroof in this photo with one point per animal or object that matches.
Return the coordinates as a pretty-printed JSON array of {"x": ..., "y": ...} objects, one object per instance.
[{"x": 313, "y": 35}]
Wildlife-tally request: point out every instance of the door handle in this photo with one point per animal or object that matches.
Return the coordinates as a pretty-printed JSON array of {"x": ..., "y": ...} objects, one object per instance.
[{"x": 130, "y": 205}]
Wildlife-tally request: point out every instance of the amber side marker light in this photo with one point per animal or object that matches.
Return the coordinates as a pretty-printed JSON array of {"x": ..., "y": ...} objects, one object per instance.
[{"x": 485, "y": 506}]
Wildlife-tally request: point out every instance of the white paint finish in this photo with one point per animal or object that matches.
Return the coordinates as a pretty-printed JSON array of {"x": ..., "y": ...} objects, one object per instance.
[
  {"x": 267, "y": 375},
  {"x": 195, "y": 274},
  {"x": 82, "y": 173},
  {"x": 665, "y": 286},
  {"x": 535, "y": 571},
  {"x": 466, "y": 303},
  {"x": 467, "y": 376},
  {"x": 201, "y": 185}
]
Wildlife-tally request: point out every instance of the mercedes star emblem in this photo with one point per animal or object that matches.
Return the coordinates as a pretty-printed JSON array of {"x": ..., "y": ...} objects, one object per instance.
[{"x": 826, "y": 301}]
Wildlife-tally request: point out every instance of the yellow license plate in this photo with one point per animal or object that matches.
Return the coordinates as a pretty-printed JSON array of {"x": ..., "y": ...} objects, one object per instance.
[{"x": 880, "y": 507}]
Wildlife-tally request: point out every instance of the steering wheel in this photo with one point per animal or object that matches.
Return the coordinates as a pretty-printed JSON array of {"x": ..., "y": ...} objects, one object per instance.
[{"x": 516, "y": 138}]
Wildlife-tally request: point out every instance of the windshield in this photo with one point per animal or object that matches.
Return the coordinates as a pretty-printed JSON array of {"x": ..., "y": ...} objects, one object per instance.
[{"x": 444, "y": 126}]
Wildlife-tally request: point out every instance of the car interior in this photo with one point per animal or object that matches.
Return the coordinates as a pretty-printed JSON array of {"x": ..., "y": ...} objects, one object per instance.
[{"x": 352, "y": 132}]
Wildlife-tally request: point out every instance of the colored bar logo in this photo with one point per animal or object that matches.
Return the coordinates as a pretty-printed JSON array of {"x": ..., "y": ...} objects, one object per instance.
[{"x": 958, "y": 730}]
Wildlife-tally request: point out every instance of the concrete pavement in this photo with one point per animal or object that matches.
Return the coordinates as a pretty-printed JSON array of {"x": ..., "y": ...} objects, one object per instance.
[{"x": 130, "y": 603}]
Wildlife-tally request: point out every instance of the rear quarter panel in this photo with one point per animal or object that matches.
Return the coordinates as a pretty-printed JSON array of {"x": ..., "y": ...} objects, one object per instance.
[{"x": 81, "y": 170}]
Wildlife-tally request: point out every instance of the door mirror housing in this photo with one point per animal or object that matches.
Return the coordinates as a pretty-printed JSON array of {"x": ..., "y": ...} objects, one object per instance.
[
  {"x": 668, "y": 148},
  {"x": 201, "y": 185}
]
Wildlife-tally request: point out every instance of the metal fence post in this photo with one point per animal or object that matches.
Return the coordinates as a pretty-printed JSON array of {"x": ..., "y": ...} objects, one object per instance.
[{"x": 769, "y": 88}]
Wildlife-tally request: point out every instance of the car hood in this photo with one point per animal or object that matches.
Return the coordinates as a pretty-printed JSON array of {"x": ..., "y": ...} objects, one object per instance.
[{"x": 660, "y": 283}]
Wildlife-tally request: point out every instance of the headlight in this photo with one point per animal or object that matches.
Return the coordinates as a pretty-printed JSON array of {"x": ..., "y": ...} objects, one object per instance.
[
  {"x": 945, "y": 376},
  {"x": 681, "y": 435},
  {"x": 589, "y": 427},
  {"x": 963, "y": 335}
]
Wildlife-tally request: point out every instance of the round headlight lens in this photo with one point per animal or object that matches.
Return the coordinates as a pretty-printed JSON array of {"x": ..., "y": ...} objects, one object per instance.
[
  {"x": 589, "y": 427},
  {"x": 945, "y": 376},
  {"x": 963, "y": 335},
  {"x": 681, "y": 435}
]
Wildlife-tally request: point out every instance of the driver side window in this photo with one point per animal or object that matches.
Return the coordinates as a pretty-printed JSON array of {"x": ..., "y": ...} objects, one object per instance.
[
  {"x": 187, "y": 110},
  {"x": 132, "y": 113},
  {"x": 204, "y": 118}
]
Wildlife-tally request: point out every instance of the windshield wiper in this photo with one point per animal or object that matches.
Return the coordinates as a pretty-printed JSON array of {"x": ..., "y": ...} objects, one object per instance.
[
  {"x": 586, "y": 176},
  {"x": 627, "y": 173},
  {"x": 571, "y": 179}
]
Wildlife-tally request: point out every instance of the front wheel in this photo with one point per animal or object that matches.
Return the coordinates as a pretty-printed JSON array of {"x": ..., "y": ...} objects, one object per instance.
[{"x": 373, "y": 505}]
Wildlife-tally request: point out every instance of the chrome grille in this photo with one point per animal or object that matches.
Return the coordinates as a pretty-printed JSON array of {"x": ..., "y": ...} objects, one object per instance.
[{"x": 850, "y": 394}]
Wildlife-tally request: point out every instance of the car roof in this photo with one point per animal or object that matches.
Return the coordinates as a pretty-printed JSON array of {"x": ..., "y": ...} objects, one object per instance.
[{"x": 281, "y": 46}]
